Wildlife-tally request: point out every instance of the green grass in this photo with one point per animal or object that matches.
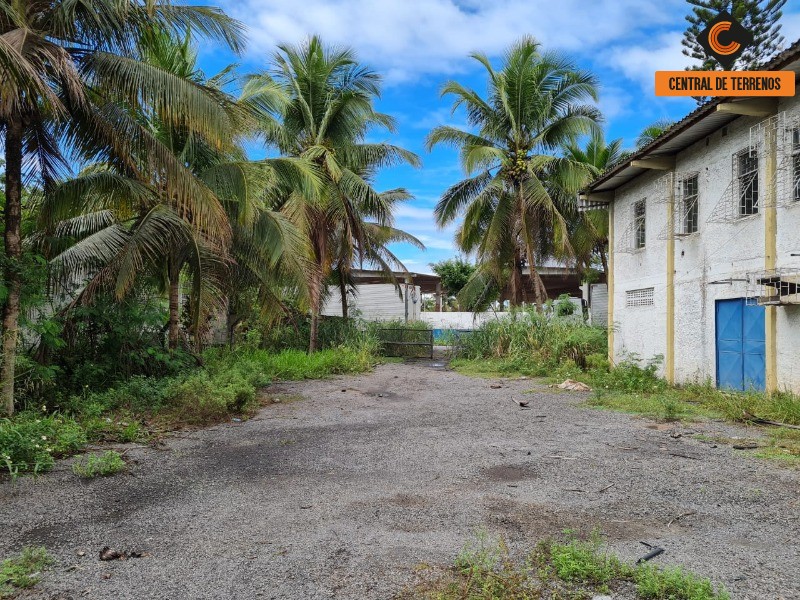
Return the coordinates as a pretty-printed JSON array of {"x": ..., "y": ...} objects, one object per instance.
[
  {"x": 99, "y": 465},
  {"x": 632, "y": 386},
  {"x": 569, "y": 568},
  {"x": 31, "y": 441},
  {"x": 224, "y": 387},
  {"x": 22, "y": 571},
  {"x": 665, "y": 406},
  {"x": 533, "y": 341},
  {"x": 515, "y": 367}
]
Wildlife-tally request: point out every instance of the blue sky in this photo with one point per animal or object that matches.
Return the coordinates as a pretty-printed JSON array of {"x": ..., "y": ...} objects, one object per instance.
[{"x": 419, "y": 44}]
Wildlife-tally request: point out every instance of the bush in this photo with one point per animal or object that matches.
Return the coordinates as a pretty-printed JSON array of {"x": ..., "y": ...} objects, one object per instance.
[
  {"x": 31, "y": 442},
  {"x": 570, "y": 568},
  {"x": 653, "y": 583},
  {"x": 536, "y": 339},
  {"x": 22, "y": 571},
  {"x": 99, "y": 465},
  {"x": 631, "y": 376}
]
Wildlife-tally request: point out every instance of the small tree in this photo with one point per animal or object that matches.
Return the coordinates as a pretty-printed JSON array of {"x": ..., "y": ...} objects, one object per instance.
[
  {"x": 454, "y": 273},
  {"x": 760, "y": 17}
]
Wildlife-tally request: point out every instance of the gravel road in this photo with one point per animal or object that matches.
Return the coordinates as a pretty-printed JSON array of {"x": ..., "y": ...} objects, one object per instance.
[{"x": 346, "y": 492}]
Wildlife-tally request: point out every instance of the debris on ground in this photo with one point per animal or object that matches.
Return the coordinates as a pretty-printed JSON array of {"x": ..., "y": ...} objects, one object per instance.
[
  {"x": 521, "y": 403},
  {"x": 573, "y": 386},
  {"x": 761, "y": 421},
  {"x": 654, "y": 551},
  {"x": 679, "y": 517},
  {"x": 107, "y": 554}
]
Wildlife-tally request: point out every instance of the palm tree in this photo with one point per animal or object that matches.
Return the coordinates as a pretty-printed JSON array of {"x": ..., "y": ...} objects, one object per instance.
[
  {"x": 535, "y": 107},
  {"x": 323, "y": 108},
  {"x": 60, "y": 63},
  {"x": 146, "y": 232},
  {"x": 589, "y": 235},
  {"x": 653, "y": 131}
]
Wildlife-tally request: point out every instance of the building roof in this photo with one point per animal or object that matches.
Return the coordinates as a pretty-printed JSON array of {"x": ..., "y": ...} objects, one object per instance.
[
  {"x": 426, "y": 282},
  {"x": 695, "y": 126}
]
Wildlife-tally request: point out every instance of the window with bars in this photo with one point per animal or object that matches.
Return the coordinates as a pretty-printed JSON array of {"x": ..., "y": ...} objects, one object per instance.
[
  {"x": 639, "y": 223},
  {"x": 796, "y": 165},
  {"x": 689, "y": 196},
  {"x": 747, "y": 175},
  {"x": 638, "y": 298}
]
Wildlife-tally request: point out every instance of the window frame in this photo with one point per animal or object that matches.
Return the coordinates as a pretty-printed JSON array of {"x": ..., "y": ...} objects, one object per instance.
[
  {"x": 748, "y": 182},
  {"x": 640, "y": 224},
  {"x": 690, "y": 205},
  {"x": 640, "y": 298}
]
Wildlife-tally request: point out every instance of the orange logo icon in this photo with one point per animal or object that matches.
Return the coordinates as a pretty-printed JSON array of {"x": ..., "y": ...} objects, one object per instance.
[
  {"x": 713, "y": 39},
  {"x": 724, "y": 39}
]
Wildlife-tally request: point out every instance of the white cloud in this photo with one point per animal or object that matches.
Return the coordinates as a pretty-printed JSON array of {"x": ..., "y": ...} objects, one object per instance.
[
  {"x": 640, "y": 62},
  {"x": 442, "y": 241},
  {"x": 413, "y": 212},
  {"x": 790, "y": 27},
  {"x": 406, "y": 38}
]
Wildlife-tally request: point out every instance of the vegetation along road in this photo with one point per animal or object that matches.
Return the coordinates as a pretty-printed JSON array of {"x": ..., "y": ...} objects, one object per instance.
[{"x": 368, "y": 486}]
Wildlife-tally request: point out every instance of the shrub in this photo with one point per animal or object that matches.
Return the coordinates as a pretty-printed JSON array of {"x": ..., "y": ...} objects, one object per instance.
[
  {"x": 653, "y": 583},
  {"x": 581, "y": 561},
  {"x": 536, "y": 339},
  {"x": 196, "y": 400},
  {"x": 99, "y": 465},
  {"x": 631, "y": 376},
  {"x": 31, "y": 441},
  {"x": 572, "y": 568},
  {"x": 22, "y": 571}
]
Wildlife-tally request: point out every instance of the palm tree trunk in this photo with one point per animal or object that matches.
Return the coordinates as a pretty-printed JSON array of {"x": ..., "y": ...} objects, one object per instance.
[
  {"x": 343, "y": 292},
  {"x": 539, "y": 291},
  {"x": 520, "y": 293},
  {"x": 604, "y": 260},
  {"x": 174, "y": 307},
  {"x": 315, "y": 293},
  {"x": 231, "y": 321},
  {"x": 13, "y": 250}
]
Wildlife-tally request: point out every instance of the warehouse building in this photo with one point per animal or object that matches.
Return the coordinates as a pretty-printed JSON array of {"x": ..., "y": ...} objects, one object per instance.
[{"x": 705, "y": 244}]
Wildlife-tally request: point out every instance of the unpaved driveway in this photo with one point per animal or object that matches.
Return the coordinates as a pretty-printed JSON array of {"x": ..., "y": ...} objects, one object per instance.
[{"x": 346, "y": 493}]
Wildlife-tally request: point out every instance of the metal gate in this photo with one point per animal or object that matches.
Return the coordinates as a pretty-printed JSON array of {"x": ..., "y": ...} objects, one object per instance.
[
  {"x": 406, "y": 343},
  {"x": 741, "y": 346}
]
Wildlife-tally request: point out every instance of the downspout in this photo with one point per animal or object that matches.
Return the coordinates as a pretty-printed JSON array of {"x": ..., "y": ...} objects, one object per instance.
[{"x": 771, "y": 252}]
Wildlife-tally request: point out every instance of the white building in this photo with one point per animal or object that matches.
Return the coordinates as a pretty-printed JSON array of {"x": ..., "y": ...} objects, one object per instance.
[
  {"x": 705, "y": 244},
  {"x": 376, "y": 297}
]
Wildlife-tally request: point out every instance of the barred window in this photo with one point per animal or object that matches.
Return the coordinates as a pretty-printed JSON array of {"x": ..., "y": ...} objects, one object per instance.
[
  {"x": 643, "y": 297},
  {"x": 796, "y": 165},
  {"x": 747, "y": 171},
  {"x": 639, "y": 224},
  {"x": 689, "y": 196}
]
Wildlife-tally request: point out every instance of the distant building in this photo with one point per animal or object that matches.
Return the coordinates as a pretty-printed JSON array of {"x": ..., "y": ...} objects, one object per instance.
[
  {"x": 705, "y": 244},
  {"x": 375, "y": 298}
]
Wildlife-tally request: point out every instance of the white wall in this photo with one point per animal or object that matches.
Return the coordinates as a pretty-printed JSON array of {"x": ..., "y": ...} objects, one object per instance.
[
  {"x": 718, "y": 251},
  {"x": 456, "y": 320},
  {"x": 376, "y": 302}
]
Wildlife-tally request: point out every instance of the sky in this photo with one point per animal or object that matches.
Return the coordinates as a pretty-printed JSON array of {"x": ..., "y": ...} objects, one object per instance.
[{"x": 418, "y": 45}]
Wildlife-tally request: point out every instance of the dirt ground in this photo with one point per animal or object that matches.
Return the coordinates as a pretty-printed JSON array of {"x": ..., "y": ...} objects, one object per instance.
[{"x": 351, "y": 490}]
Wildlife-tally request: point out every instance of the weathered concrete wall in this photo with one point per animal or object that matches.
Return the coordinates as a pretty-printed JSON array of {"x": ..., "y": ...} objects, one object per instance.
[
  {"x": 456, "y": 320},
  {"x": 376, "y": 302}
]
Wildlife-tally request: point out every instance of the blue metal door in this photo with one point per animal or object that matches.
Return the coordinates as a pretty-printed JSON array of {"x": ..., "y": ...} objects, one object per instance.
[{"x": 740, "y": 345}]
